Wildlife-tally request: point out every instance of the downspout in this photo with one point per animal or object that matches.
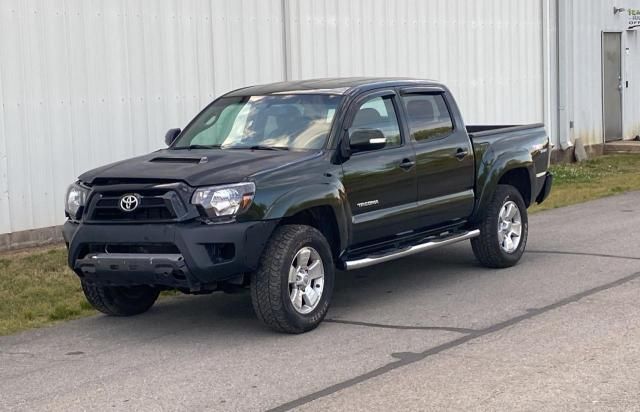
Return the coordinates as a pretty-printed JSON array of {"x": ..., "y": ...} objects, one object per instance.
[
  {"x": 286, "y": 40},
  {"x": 564, "y": 70},
  {"x": 548, "y": 44}
]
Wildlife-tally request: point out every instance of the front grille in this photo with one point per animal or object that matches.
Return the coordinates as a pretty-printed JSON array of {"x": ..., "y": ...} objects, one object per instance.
[{"x": 154, "y": 206}]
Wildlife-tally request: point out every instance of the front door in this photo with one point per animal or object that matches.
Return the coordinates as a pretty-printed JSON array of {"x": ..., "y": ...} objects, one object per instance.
[
  {"x": 612, "y": 86},
  {"x": 380, "y": 180}
]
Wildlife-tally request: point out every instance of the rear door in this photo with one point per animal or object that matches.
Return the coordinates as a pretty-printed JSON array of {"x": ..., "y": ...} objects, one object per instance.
[
  {"x": 445, "y": 169},
  {"x": 381, "y": 182}
]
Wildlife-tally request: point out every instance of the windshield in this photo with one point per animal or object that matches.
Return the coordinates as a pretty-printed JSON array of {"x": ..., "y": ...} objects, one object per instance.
[{"x": 300, "y": 121}]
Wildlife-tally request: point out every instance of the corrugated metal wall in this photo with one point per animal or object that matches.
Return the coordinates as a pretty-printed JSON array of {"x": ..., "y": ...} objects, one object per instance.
[
  {"x": 87, "y": 82},
  {"x": 488, "y": 52},
  {"x": 631, "y": 67},
  {"x": 631, "y": 95},
  {"x": 587, "y": 19}
]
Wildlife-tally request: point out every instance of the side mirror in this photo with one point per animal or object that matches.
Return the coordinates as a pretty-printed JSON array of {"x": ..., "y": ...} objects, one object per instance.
[
  {"x": 171, "y": 136},
  {"x": 364, "y": 140}
]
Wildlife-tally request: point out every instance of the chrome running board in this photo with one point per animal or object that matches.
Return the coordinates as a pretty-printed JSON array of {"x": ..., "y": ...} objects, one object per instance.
[{"x": 397, "y": 254}]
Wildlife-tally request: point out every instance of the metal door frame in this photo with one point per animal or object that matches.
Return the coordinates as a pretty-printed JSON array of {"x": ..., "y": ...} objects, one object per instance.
[{"x": 622, "y": 63}]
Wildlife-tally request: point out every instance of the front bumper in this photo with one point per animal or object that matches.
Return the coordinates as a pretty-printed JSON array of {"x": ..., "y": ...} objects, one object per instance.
[{"x": 200, "y": 256}]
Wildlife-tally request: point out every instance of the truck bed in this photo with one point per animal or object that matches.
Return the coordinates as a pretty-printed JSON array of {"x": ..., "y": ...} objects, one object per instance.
[
  {"x": 487, "y": 130},
  {"x": 497, "y": 145},
  {"x": 505, "y": 137}
]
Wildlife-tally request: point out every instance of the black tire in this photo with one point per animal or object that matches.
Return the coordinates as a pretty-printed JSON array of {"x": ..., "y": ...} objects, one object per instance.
[
  {"x": 120, "y": 300},
  {"x": 487, "y": 247},
  {"x": 270, "y": 291}
]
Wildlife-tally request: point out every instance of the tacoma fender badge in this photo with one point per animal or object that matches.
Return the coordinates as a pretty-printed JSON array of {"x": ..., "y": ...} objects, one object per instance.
[{"x": 369, "y": 203}]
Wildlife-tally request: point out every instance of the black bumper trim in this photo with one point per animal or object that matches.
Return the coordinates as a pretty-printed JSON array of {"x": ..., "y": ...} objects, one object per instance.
[
  {"x": 193, "y": 241},
  {"x": 119, "y": 268}
]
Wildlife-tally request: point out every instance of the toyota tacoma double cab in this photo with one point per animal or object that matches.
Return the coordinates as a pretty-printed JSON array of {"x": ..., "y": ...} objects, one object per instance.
[{"x": 275, "y": 187}]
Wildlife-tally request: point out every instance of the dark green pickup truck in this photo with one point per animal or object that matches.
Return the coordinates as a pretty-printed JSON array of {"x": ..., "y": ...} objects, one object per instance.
[{"x": 275, "y": 187}]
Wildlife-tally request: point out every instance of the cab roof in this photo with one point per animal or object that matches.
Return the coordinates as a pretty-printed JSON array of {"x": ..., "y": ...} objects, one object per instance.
[{"x": 336, "y": 85}]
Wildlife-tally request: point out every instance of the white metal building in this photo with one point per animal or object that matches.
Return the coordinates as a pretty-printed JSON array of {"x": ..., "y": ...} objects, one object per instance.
[{"x": 88, "y": 82}]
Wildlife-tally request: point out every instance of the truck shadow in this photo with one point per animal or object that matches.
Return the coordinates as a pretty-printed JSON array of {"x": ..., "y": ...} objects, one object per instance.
[
  {"x": 393, "y": 283},
  {"x": 422, "y": 271},
  {"x": 427, "y": 270}
]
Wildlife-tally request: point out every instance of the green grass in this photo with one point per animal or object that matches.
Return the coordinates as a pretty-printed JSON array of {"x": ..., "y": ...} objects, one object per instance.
[
  {"x": 37, "y": 288},
  {"x": 603, "y": 176}
]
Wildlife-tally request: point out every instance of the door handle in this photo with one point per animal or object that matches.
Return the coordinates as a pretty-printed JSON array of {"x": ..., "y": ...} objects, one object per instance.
[
  {"x": 461, "y": 153},
  {"x": 407, "y": 164}
]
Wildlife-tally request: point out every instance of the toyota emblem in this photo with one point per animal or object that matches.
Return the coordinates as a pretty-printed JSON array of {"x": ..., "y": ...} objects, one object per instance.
[{"x": 129, "y": 203}]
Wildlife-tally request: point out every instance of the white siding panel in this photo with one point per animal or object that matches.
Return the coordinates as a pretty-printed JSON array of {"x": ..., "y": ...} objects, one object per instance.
[
  {"x": 586, "y": 69},
  {"x": 5, "y": 211},
  {"x": 88, "y": 82},
  {"x": 488, "y": 52},
  {"x": 632, "y": 94},
  {"x": 589, "y": 18}
]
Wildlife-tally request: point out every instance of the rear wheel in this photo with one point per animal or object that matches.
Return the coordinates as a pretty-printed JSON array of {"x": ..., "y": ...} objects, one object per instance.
[
  {"x": 292, "y": 288},
  {"x": 120, "y": 300},
  {"x": 503, "y": 229}
]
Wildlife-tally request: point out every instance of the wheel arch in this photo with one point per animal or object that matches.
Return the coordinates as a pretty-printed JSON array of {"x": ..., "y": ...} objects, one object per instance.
[
  {"x": 320, "y": 206},
  {"x": 520, "y": 178},
  {"x": 513, "y": 168}
]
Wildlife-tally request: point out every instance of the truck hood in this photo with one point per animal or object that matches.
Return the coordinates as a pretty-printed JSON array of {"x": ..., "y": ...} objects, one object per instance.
[{"x": 197, "y": 167}]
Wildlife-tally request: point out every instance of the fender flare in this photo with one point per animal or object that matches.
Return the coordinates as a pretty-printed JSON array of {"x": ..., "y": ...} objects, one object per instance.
[
  {"x": 490, "y": 172},
  {"x": 322, "y": 194}
]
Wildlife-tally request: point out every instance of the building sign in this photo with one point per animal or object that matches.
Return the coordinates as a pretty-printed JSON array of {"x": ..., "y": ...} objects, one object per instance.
[{"x": 634, "y": 19}]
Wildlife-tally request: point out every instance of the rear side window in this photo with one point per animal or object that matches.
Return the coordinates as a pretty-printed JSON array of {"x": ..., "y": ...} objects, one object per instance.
[{"x": 429, "y": 117}]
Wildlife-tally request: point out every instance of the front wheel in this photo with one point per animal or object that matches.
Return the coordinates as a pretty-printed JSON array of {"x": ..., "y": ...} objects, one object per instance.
[
  {"x": 292, "y": 288},
  {"x": 503, "y": 230},
  {"x": 120, "y": 300}
]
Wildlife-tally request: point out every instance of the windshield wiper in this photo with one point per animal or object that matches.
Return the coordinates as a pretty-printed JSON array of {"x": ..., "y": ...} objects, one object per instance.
[
  {"x": 197, "y": 146},
  {"x": 258, "y": 147}
]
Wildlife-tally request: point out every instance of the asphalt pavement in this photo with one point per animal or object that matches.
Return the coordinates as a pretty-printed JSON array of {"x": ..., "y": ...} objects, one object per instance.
[{"x": 435, "y": 331}]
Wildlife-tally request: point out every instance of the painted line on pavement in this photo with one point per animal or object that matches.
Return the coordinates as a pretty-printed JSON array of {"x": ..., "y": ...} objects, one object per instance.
[{"x": 407, "y": 358}]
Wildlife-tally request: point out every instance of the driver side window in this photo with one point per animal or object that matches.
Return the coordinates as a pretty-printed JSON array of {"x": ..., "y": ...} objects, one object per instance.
[{"x": 378, "y": 116}]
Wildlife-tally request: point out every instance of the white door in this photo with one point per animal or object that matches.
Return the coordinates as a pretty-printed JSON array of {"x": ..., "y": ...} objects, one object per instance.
[{"x": 612, "y": 85}]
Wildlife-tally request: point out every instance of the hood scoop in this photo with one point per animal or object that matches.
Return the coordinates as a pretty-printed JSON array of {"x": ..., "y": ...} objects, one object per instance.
[
  {"x": 191, "y": 160},
  {"x": 197, "y": 169}
]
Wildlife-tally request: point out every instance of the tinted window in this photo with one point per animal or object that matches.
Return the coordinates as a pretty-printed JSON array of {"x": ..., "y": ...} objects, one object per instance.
[
  {"x": 285, "y": 121},
  {"x": 378, "y": 113},
  {"x": 428, "y": 115}
]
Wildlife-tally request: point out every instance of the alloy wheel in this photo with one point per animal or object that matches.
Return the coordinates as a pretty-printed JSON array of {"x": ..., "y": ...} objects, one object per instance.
[
  {"x": 509, "y": 227},
  {"x": 306, "y": 280}
]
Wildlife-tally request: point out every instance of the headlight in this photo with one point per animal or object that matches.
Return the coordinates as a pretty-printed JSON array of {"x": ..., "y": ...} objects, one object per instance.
[
  {"x": 228, "y": 200},
  {"x": 75, "y": 200}
]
